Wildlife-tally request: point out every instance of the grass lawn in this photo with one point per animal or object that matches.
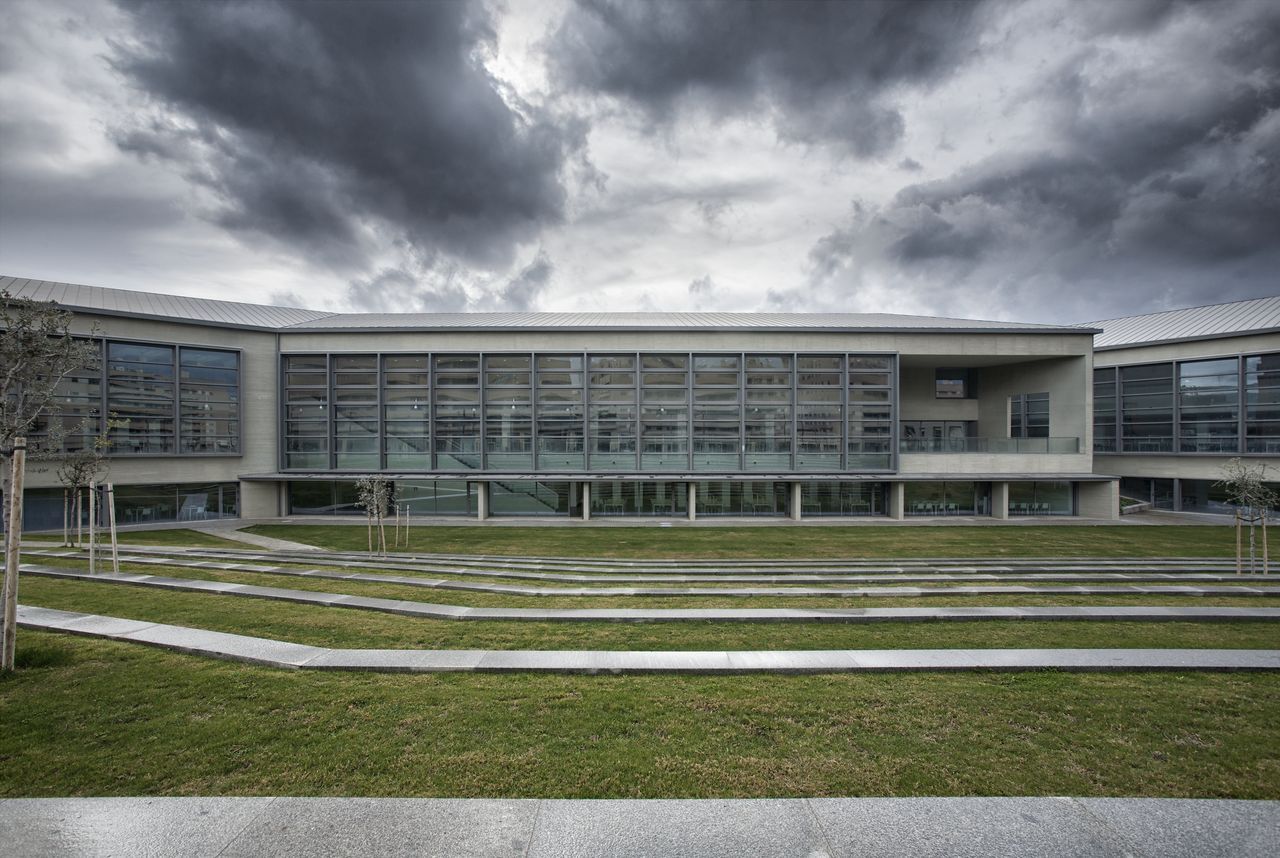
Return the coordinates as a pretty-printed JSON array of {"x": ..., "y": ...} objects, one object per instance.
[
  {"x": 92, "y": 717},
  {"x": 498, "y": 600},
  {"x": 343, "y": 627},
  {"x": 789, "y": 542},
  {"x": 103, "y": 718}
]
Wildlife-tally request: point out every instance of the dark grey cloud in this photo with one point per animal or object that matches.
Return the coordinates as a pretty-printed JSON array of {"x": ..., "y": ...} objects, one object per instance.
[
  {"x": 331, "y": 126},
  {"x": 1143, "y": 196},
  {"x": 522, "y": 291},
  {"x": 442, "y": 285},
  {"x": 395, "y": 290},
  {"x": 823, "y": 70}
]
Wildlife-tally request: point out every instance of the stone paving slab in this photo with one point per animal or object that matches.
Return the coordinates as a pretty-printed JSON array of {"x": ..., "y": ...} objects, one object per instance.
[
  {"x": 154, "y": 827},
  {"x": 274, "y": 653},
  {"x": 388, "y": 827},
  {"x": 1199, "y": 613},
  {"x": 662, "y": 828}
]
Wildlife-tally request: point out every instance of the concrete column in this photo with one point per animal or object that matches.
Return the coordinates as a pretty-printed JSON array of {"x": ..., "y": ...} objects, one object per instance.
[
  {"x": 482, "y": 501},
  {"x": 897, "y": 501},
  {"x": 692, "y": 501},
  {"x": 586, "y": 501},
  {"x": 261, "y": 500},
  {"x": 795, "y": 501},
  {"x": 1000, "y": 500},
  {"x": 1099, "y": 500}
]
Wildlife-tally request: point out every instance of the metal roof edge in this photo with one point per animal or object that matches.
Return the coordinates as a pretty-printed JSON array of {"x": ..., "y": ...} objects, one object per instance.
[
  {"x": 304, "y": 328},
  {"x": 1197, "y": 339}
]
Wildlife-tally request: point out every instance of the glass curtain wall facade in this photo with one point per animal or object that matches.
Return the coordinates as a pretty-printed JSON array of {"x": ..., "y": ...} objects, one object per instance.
[
  {"x": 947, "y": 498},
  {"x": 638, "y": 412},
  {"x": 843, "y": 499},
  {"x": 161, "y": 399},
  {"x": 1219, "y": 405}
]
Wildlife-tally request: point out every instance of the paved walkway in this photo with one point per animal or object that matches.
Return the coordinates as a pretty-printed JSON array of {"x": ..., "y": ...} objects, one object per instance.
[
  {"x": 283, "y": 654},
  {"x": 232, "y": 530},
  {"x": 609, "y": 592},
  {"x": 404, "y": 607},
  {"x": 532, "y": 828}
]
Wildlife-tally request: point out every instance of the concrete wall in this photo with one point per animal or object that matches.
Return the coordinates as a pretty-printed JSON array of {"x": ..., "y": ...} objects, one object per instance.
[
  {"x": 917, "y": 399},
  {"x": 1068, "y": 381},
  {"x": 956, "y": 348},
  {"x": 1099, "y": 500}
]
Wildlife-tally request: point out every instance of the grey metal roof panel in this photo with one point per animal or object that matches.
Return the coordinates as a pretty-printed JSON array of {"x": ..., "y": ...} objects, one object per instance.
[
  {"x": 175, "y": 308},
  {"x": 663, "y": 321},
  {"x": 1257, "y": 315},
  {"x": 230, "y": 313}
]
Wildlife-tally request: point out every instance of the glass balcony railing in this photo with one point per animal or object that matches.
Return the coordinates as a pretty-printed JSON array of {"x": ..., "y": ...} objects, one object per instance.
[{"x": 989, "y": 445}]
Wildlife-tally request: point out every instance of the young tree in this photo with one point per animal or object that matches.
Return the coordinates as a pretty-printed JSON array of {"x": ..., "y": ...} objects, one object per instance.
[
  {"x": 80, "y": 468},
  {"x": 37, "y": 351},
  {"x": 1246, "y": 488},
  {"x": 374, "y": 494}
]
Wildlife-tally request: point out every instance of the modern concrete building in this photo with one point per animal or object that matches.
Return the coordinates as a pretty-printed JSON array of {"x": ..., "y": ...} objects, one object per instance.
[
  {"x": 1178, "y": 394},
  {"x": 228, "y": 409}
]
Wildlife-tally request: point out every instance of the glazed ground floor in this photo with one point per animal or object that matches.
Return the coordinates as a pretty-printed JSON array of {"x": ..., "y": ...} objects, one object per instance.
[{"x": 570, "y": 499}]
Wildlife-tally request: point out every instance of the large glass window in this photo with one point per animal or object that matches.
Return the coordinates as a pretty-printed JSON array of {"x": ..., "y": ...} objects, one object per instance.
[
  {"x": 517, "y": 413},
  {"x": 639, "y": 499},
  {"x": 717, "y": 412},
  {"x": 1029, "y": 415},
  {"x": 141, "y": 398},
  {"x": 819, "y": 412},
  {"x": 406, "y": 411},
  {"x": 355, "y": 412},
  {"x": 870, "y": 412},
  {"x": 78, "y": 422},
  {"x": 1104, "y": 410},
  {"x": 947, "y": 498},
  {"x": 664, "y": 412},
  {"x": 561, "y": 421},
  {"x": 842, "y": 499},
  {"x": 1209, "y": 406},
  {"x": 508, "y": 410},
  {"x": 753, "y": 498},
  {"x": 306, "y": 405},
  {"x": 1041, "y": 498},
  {"x": 612, "y": 412},
  {"x": 209, "y": 397},
  {"x": 457, "y": 406},
  {"x": 1262, "y": 401},
  {"x": 533, "y": 499},
  {"x": 1146, "y": 400}
]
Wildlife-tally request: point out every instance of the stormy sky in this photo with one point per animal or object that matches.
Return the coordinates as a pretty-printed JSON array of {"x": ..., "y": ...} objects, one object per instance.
[{"x": 1051, "y": 160}]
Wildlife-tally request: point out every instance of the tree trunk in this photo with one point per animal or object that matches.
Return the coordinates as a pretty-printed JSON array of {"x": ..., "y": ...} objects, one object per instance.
[
  {"x": 12, "y": 553},
  {"x": 7, "y": 489},
  {"x": 1253, "y": 551},
  {"x": 369, "y": 520}
]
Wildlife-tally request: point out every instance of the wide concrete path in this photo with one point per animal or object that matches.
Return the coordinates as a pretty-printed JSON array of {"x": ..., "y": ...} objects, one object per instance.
[
  {"x": 552, "y": 828},
  {"x": 429, "y": 610},
  {"x": 283, "y": 654}
]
